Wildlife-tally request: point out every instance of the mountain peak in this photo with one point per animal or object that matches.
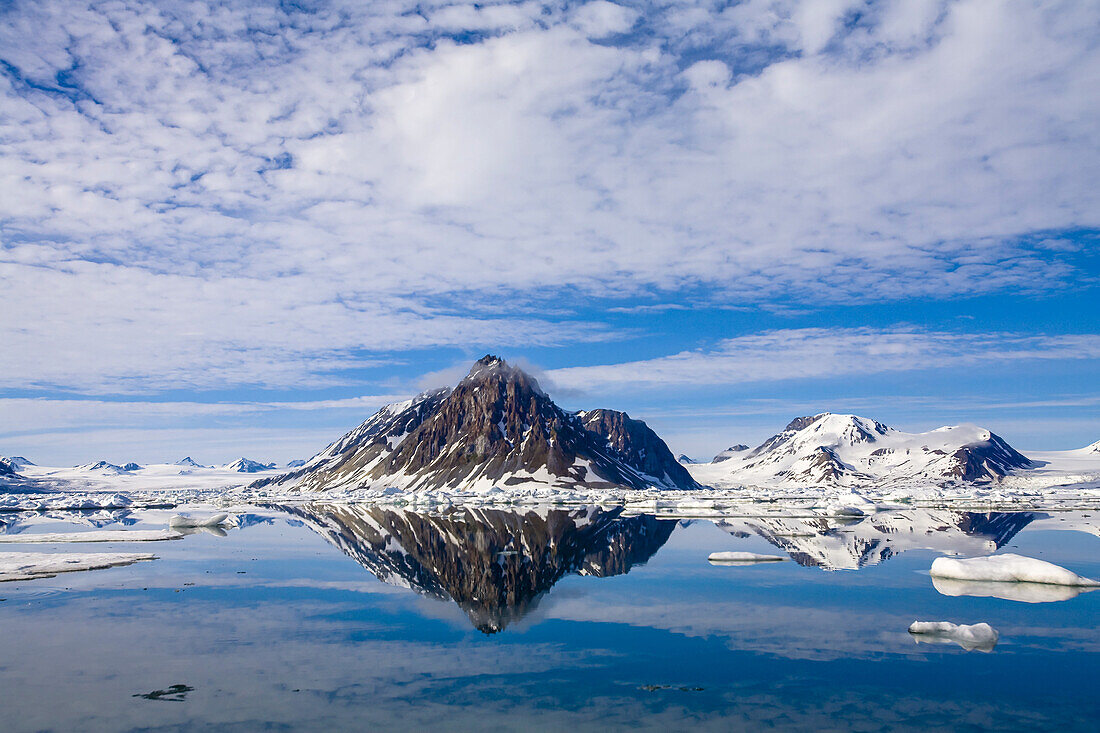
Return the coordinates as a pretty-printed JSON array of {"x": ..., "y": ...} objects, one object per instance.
[
  {"x": 496, "y": 428},
  {"x": 488, "y": 364},
  {"x": 492, "y": 369}
]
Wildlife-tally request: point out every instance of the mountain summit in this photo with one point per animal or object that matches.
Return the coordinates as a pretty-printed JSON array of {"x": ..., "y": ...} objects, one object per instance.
[{"x": 496, "y": 429}]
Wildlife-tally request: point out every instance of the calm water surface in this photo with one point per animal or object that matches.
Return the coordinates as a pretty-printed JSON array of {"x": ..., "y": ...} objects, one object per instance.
[{"x": 330, "y": 617}]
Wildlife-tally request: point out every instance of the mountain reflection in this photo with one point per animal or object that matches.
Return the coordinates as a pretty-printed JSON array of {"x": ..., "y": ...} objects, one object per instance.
[
  {"x": 495, "y": 564},
  {"x": 833, "y": 543}
]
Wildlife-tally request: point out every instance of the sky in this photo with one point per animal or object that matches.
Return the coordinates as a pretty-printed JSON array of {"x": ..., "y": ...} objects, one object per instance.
[{"x": 239, "y": 228}]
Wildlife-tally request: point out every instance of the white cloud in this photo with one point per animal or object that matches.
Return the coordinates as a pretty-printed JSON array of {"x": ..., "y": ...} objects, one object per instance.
[
  {"x": 823, "y": 353},
  {"x": 205, "y": 195},
  {"x": 598, "y": 19}
]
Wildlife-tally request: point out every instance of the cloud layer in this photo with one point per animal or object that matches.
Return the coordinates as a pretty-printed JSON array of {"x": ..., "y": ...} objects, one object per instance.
[
  {"x": 819, "y": 352},
  {"x": 206, "y": 194}
]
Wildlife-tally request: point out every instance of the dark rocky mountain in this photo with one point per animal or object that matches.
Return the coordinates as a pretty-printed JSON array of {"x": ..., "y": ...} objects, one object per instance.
[
  {"x": 496, "y": 565},
  {"x": 8, "y": 468},
  {"x": 496, "y": 428}
]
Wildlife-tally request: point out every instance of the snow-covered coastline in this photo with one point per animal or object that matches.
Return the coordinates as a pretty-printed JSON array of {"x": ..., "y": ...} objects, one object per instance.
[{"x": 1054, "y": 479}]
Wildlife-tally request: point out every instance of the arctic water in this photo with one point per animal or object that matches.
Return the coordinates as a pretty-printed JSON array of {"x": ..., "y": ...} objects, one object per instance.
[{"x": 345, "y": 617}]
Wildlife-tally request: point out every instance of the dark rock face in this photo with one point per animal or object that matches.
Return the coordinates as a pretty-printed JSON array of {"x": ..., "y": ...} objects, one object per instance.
[
  {"x": 496, "y": 426},
  {"x": 497, "y": 421},
  {"x": 7, "y": 468},
  {"x": 494, "y": 564},
  {"x": 636, "y": 445},
  {"x": 989, "y": 459}
]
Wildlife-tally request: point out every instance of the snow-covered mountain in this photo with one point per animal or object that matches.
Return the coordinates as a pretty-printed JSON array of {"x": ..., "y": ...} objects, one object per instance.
[
  {"x": 8, "y": 467},
  {"x": 847, "y": 450},
  {"x": 495, "y": 429},
  {"x": 247, "y": 465},
  {"x": 189, "y": 462},
  {"x": 17, "y": 461},
  {"x": 731, "y": 452}
]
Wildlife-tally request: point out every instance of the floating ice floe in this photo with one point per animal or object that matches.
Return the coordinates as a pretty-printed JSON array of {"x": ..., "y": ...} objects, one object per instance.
[
  {"x": 1021, "y": 592},
  {"x": 31, "y": 565},
  {"x": 981, "y": 637},
  {"x": 184, "y": 521},
  {"x": 1007, "y": 568},
  {"x": 742, "y": 558},
  {"x": 108, "y": 535}
]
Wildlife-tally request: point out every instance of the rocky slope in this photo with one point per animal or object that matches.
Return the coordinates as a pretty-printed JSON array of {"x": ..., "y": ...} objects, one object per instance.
[
  {"x": 846, "y": 450},
  {"x": 495, "y": 429}
]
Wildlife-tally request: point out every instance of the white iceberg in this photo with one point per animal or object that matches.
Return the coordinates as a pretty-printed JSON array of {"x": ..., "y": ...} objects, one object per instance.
[
  {"x": 741, "y": 558},
  {"x": 981, "y": 637},
  {"x": 1007, "y": 568},
  {"x": 31, "y": 565},
  {"x": 182, "y": 520},
  {"x": 107, "y": 535},
  {"x": 1021, "y": 592}
]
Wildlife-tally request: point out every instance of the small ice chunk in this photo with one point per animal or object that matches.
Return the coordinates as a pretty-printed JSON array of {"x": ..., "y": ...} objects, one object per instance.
[
  {"x": 182, "y": 520},
  {"x": 742, "y": 558},
  {"x": 31, "y": 565},
  {"x": 981, "y": 637},
  {"x": 1007, "y": 568}
]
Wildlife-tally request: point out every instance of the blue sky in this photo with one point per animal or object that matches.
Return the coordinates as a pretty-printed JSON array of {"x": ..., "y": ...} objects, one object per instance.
[{"x": 239, "y": 228}]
